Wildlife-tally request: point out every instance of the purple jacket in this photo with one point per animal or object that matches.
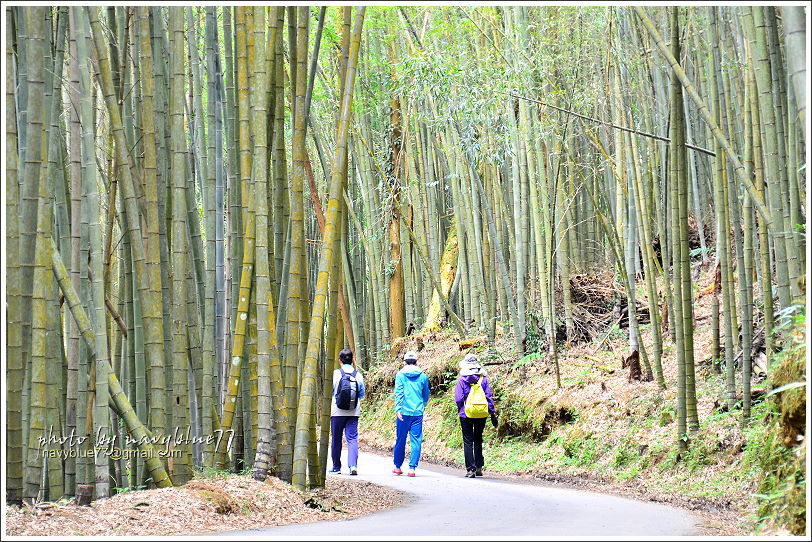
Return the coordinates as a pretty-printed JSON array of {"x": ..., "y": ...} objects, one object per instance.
[{"x": 464, "y": 388}]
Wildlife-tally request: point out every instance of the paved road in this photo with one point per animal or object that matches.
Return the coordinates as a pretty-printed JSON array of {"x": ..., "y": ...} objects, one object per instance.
[{"x": 443, "y": 502}]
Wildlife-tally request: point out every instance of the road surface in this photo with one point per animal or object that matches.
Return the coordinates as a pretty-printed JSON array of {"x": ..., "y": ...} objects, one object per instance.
[{"x": 442, "y": 502}]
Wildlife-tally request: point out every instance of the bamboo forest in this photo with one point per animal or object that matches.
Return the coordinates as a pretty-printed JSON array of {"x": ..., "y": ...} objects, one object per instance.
[{"x": 606, "y": 204}]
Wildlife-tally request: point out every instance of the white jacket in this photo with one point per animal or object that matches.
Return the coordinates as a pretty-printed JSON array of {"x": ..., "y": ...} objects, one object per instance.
[{"x": 334, "y": 410}]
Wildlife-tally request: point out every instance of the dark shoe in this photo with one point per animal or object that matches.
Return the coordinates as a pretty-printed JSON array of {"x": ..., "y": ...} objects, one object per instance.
[
  {"x": 353, "y": 471},
  {"x": 479, "y": 471},
  {"x": 470, "y": 474}
]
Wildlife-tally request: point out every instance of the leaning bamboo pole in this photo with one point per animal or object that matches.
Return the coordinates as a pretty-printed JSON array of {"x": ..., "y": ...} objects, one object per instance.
[
  {"x": 149, "y": 291},
  {"x": 307, "y": 395},
  {"x": 144, "y": 438},
  {"x": 740, "y": 171}
]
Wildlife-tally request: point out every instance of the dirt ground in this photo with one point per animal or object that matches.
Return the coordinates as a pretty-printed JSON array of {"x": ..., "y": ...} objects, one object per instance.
[{"x": 203, "y": 505}]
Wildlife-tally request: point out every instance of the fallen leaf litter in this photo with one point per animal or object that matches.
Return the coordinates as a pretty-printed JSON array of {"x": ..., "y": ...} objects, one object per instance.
[{"x": 203, "y": 505}]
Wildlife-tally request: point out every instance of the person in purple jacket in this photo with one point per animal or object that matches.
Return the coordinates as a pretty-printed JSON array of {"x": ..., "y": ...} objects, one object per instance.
[{"x": 472, "y": 428}]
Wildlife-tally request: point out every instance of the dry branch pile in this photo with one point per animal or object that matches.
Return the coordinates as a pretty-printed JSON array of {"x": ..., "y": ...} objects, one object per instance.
[{"x": 598, "y": 303}]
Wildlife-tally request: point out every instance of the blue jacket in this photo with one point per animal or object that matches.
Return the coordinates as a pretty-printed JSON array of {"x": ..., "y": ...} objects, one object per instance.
[{"x": 411, "y": 391}]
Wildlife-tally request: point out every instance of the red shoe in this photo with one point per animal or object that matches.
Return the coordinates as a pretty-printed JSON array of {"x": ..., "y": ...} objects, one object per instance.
[
  {"x": 410, "y": 474},
  {"x": 397, "y": 471}
]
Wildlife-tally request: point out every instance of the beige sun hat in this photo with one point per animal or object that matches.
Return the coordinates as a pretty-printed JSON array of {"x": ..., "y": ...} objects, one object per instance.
[{"x": 470, "y": 365}]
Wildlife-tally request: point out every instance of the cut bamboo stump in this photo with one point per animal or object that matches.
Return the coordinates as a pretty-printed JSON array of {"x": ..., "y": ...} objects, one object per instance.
[{"x": 84, "y": 494}]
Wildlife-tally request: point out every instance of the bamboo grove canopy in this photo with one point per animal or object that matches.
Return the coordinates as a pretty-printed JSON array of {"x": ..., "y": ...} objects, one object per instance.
[{"x": 204, "y": 205}]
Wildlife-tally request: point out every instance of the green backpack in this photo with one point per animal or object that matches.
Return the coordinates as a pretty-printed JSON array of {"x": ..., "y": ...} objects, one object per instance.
[{"x": 476, "y": 404}]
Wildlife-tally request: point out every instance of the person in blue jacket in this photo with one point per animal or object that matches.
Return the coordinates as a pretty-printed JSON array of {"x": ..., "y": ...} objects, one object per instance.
[{"x": 411, "y": 397}]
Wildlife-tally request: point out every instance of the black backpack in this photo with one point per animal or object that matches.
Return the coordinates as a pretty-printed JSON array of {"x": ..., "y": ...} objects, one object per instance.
[{"x": 347, "y": 391}]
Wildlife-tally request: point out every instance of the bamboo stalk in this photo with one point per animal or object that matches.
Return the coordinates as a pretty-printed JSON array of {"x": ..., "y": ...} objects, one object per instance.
[
  {"x": 148, "y": 289},
  {"x": 14, "y": 368},
  {"x": 706, "y": 116},
  {"x": 144, "y": 438},
  {"x": 307, "y": 395}
]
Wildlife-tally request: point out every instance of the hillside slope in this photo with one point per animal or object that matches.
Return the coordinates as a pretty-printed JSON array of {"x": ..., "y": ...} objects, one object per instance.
[{"x": 606, "y": 431}]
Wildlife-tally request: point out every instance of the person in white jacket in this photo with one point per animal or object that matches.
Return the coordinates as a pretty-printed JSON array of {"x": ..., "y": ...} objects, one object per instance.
[{"x": 348, "y": 390}]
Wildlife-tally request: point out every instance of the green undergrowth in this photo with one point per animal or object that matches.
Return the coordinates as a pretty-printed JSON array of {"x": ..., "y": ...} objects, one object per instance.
[
  {"x": 781, "y": 457},
  {"x": 604, "y": 428}
]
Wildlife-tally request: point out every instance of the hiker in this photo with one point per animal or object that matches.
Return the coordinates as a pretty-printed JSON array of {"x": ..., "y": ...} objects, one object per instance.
[
  {"x": 348, "y": 390},
  {"x": 475, "y": 402},
  {"x": 411, "y": 397}
]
